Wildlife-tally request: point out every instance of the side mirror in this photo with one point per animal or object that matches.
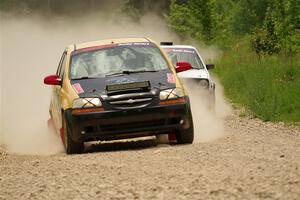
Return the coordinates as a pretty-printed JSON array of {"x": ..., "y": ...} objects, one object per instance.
[
  {"x": 52, "y": 80},
  {"x": 183, "y": 66},
  {"x": 210, "y": 66}
]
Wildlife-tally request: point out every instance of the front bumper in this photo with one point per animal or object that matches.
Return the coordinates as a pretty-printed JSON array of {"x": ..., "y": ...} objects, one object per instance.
[{"x": 121, "y": 124}]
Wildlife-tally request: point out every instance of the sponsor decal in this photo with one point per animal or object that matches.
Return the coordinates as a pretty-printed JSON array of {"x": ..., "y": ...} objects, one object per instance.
[
  {"x": 135, "y": 44},
  {"x": 183, "y": 51},
  {"x": 77, "y": 87},
  {"x": 171, "y": 78}
]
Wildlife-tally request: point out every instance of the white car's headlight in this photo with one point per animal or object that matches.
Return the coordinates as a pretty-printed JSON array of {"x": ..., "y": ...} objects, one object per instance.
[
  {"x": 86, "y": 103},
  {"x": 171, "y": 94},
  {"x": 204, "y": 83}
]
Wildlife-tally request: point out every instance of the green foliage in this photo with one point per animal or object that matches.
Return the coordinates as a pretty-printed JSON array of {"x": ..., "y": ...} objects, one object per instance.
[
  {"x": 277, "y": 30},
  {"x": 137, "y": 8},
  {"x": 265, "y": 41},
  {"x": 260, "y": 68},
  {"x": 179, "y": 19},
  {"x": 195, "y": 18},
  {"x": 203, "y": 17},
  {"x": 272, "y": 23},
  {"x": 267, "y": 85},
  {"x": 246, "y": 15}
]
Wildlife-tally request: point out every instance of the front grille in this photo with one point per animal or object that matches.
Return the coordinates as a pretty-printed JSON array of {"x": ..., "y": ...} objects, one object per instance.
[
  {"x": 132, "y": 125},
  {"x": 131, "y": 101},
  {"x": 116, "y": 127}
]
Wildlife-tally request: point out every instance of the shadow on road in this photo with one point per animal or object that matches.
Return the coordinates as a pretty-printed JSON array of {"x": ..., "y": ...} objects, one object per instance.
[{"x": 121, "y": 145}]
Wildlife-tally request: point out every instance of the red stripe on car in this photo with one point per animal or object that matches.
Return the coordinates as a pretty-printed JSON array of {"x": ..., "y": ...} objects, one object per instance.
[{"x": 93, "y": 48}]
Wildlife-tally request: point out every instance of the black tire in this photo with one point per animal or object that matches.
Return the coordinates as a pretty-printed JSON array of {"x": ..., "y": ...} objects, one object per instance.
[
  {"x": 185, "y": 136},
  {"x": 71, "y": 146}
]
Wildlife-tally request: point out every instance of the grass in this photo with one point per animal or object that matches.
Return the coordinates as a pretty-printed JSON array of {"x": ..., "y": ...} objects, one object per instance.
[{"x": 268, "y": 86}]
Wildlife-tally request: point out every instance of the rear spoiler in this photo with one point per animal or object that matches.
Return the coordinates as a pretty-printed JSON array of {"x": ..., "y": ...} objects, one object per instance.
[{"x": 166, "y": 43}]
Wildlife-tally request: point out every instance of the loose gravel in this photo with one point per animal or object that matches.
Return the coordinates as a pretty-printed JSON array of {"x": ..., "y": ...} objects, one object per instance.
[{"x": 254, "y": 160}]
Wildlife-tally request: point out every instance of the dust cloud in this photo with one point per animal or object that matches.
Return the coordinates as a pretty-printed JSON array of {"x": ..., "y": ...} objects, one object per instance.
[
  {"x": 208, "y": 117},
  {"x": 31, "y": 48}
]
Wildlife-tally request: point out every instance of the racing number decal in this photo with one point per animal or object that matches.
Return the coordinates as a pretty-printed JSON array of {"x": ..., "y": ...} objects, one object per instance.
[
  {"x": 171, "y": 78},
  {"x": 77, "y": 87}
]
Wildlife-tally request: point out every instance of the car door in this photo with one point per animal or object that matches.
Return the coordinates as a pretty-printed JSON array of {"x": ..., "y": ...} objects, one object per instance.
[{"x": 56, "y": 95}]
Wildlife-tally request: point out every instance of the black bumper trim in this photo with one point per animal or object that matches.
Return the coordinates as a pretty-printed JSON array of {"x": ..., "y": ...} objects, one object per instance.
[{"x": 115, "y": 124}]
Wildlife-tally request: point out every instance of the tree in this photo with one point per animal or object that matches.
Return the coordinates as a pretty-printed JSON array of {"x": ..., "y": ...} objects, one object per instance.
[
  {"x": 277, "y": 30},
  {"x": 194, "y": 17}
]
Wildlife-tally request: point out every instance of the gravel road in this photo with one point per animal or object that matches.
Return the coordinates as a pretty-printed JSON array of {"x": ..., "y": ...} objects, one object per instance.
[{"x": 254, "y": 160}]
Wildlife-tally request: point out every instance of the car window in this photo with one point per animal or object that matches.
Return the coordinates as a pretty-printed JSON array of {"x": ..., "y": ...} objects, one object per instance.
[
  {"x": 116, "y": 59},
  {"x": 187, "y": 55}
]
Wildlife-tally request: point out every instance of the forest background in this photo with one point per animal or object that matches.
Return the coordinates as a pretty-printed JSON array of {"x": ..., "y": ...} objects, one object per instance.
[{"x": 259, "y": 66}]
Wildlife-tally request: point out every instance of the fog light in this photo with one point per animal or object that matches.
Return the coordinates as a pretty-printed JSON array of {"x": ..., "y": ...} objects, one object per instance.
[
  {"x": 82, "y": 132},
  {"x": 181, "y": 121}
]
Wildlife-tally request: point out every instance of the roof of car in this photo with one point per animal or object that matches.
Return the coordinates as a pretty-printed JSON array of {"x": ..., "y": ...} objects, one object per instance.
[{"x": 109, "y": 41}]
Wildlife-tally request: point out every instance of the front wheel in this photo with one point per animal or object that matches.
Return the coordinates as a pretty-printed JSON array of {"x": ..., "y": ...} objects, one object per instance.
[
  {"x": 70, "y": 145},
  {"x": 185, "y": 136}
]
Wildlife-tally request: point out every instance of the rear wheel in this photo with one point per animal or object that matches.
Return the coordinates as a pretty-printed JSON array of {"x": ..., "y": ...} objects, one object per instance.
[{"x": 70, "y": 145}]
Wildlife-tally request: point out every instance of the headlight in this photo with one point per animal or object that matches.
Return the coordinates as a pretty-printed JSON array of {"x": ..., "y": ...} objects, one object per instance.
[
  {"x": 86, "y": 103},
  {"x": 203, "y": 83},
  {"x": 170, "y": 94}
]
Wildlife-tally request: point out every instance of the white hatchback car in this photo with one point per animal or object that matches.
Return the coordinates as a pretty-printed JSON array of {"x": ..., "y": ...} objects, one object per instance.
[{"x": 198, "y": 71}]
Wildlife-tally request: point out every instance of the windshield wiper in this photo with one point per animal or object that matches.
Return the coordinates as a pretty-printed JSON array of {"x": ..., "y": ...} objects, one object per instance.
[
  {"x": 130, "y": 72},
  {"x": 115, "y": 74},
  {"x": 84, "y": 77},
  {"x": 138, "y": 71}
]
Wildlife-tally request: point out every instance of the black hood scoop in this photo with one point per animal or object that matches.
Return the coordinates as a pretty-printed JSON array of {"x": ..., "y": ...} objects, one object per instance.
[{"x": 124, "y": 88}]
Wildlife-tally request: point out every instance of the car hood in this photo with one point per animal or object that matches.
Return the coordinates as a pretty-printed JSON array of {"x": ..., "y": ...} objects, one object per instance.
[
  {"x": 97, "y": 86},
  {"x": 194, "y": 73}
]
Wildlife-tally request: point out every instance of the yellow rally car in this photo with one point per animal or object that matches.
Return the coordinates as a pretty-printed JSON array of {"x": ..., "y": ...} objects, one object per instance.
[{"x": 117, "y": 89}]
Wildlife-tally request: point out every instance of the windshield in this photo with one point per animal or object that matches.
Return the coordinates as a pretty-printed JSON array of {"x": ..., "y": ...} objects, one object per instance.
[
  {"x": 187, "y": 55},
  {"x": 117, "y": 58}
]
